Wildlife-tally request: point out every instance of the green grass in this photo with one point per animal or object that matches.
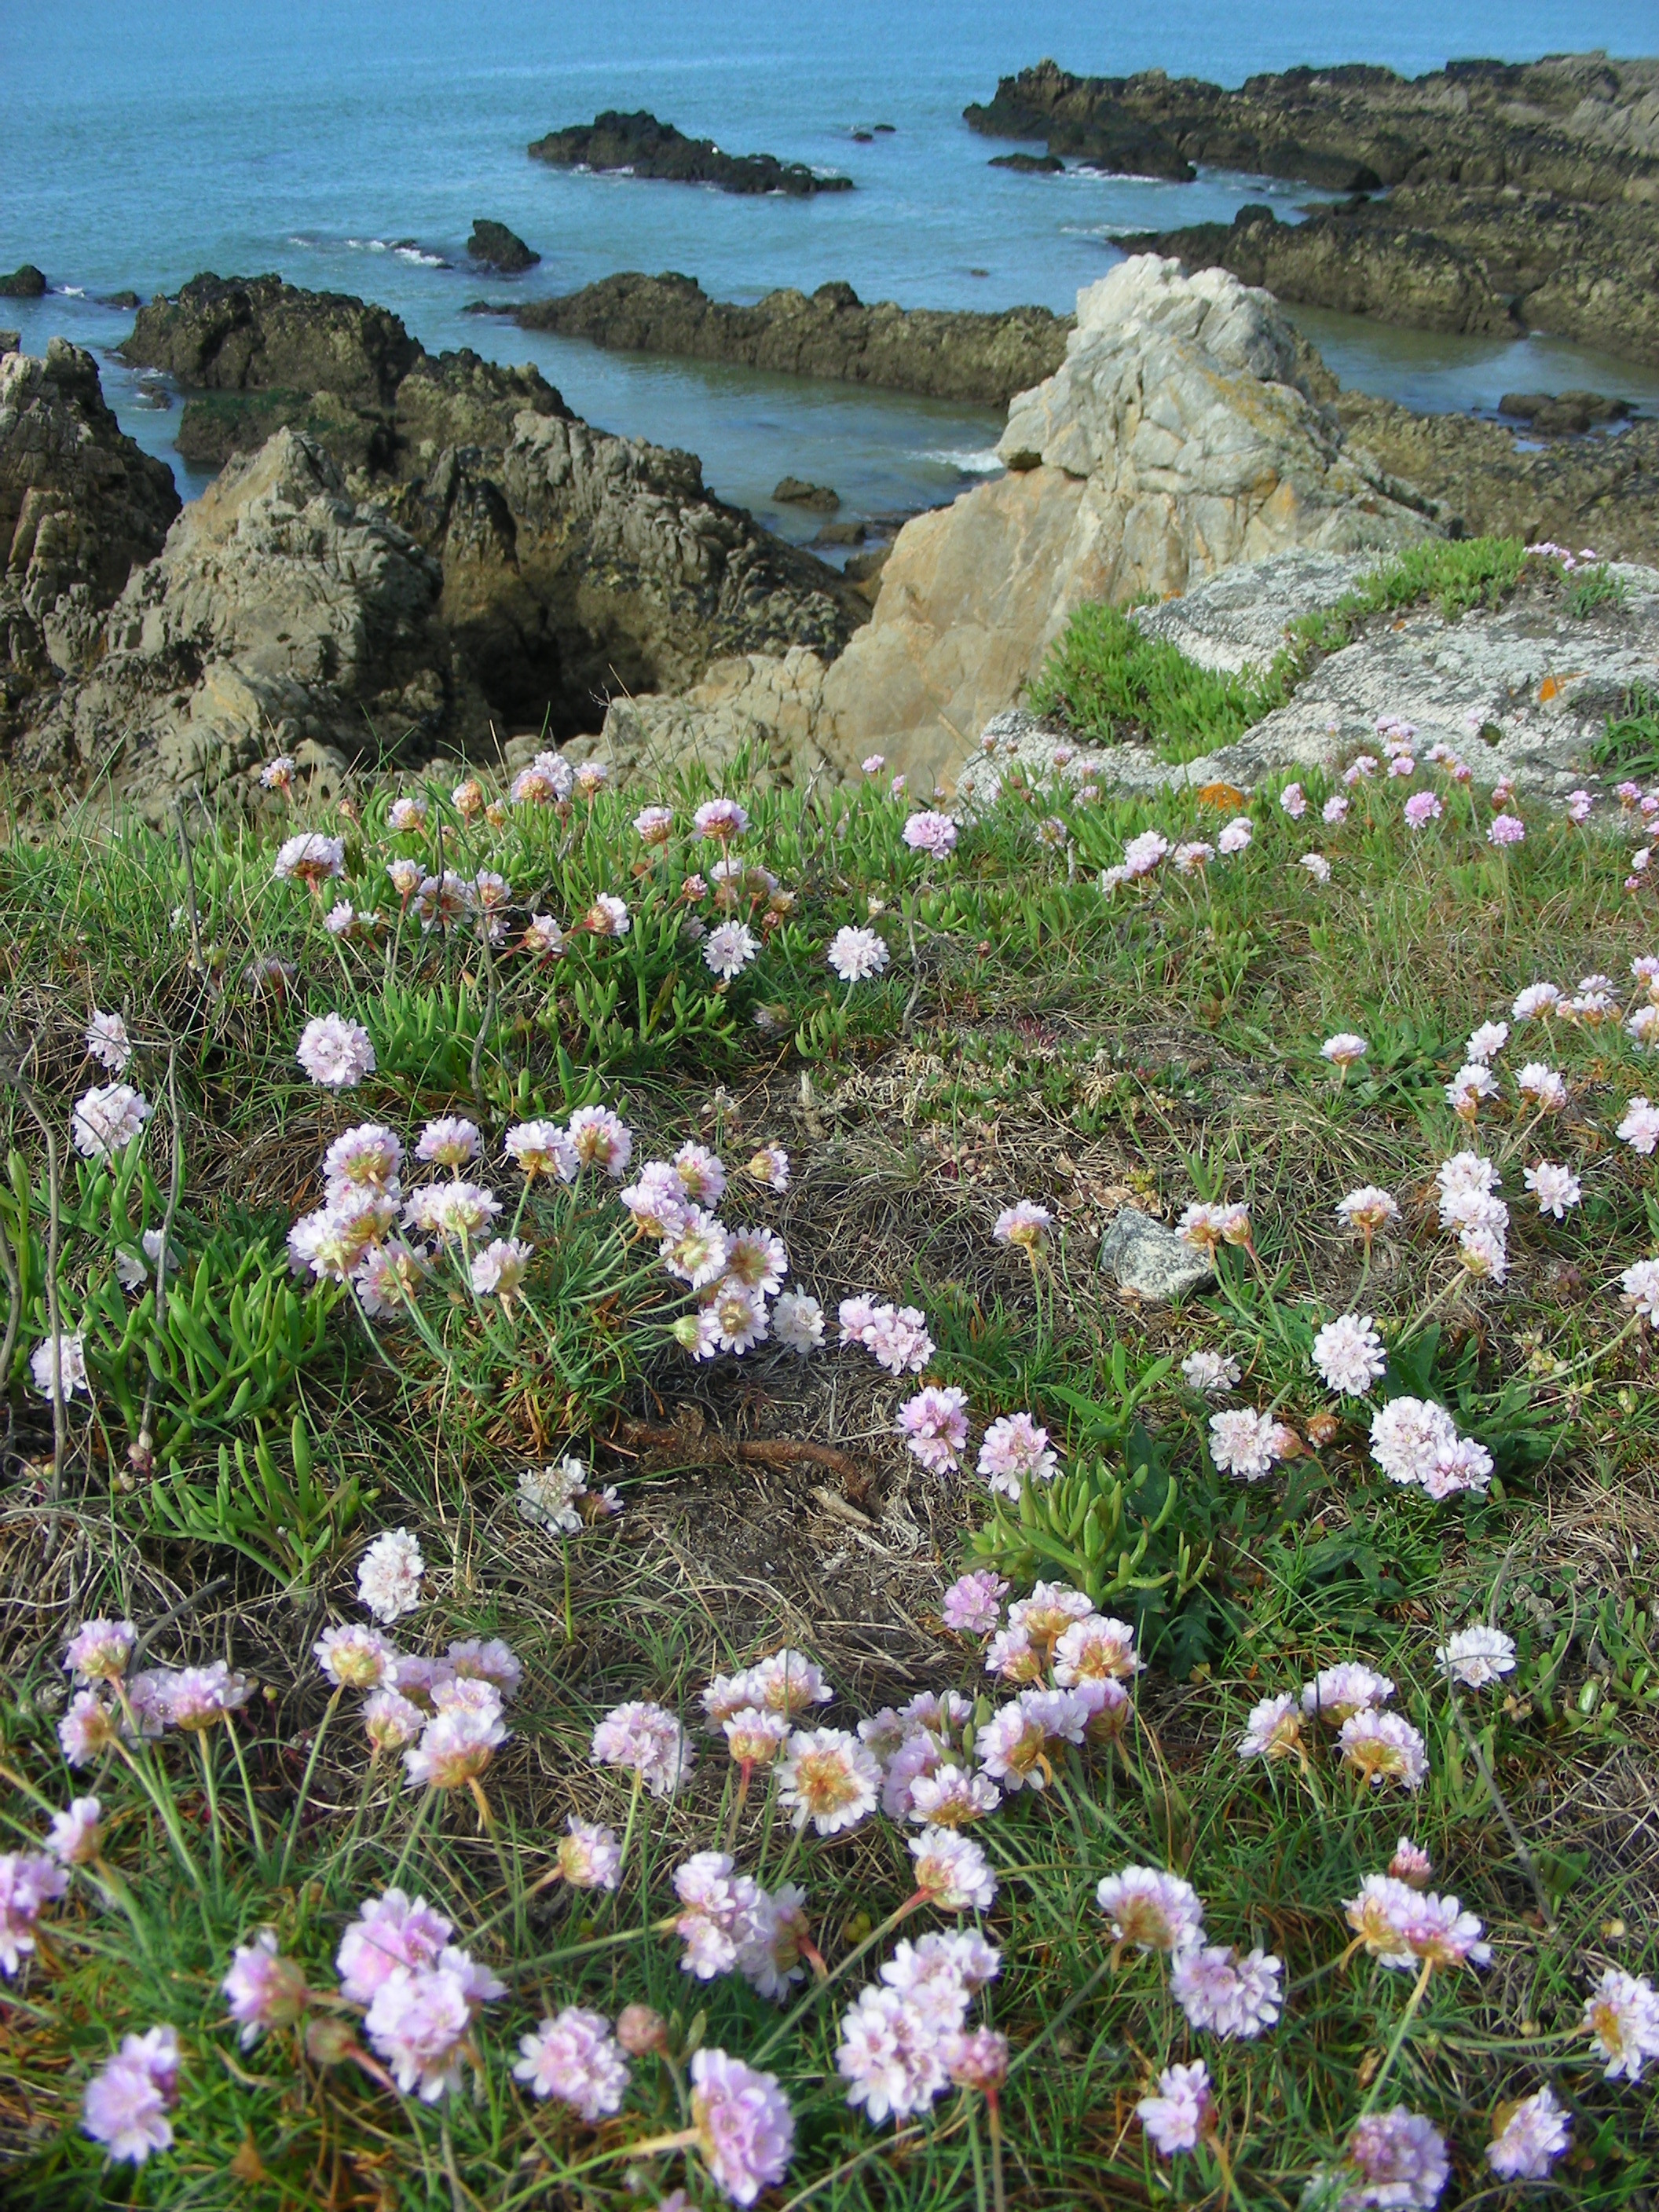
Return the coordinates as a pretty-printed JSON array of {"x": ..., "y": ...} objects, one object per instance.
[
  {"x": 1030, "y": 1037},
  {"x": 1112, "y": 684}
]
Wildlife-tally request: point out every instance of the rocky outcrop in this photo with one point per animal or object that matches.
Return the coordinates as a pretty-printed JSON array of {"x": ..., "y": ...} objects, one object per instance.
[
  {"x": 1518, "y": 196},
  {"x": 28, "y": 282},
  {"x": 979, "y": 358},
  {"x": 765, "y": 710},
  {"x": 498, "y": 247},
  {"x": 281, "y": 616},
  {"x": 258, "y": 334},
  {"x": 645, "y": 148},
  {"x": 1179, "y": 436},
  {"x": 1483, "y": 481},
  {"x": 81, "y": 506}
]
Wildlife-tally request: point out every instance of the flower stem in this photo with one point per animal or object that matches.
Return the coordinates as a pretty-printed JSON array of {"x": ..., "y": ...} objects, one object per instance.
[{"x": 329, "y": 1710}]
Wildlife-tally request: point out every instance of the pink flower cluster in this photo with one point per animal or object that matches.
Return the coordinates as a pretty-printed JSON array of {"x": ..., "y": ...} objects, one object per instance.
[
  {"x": 901, "y": 2038},
  {"x": 735, "y": 1273},
  {"x": 1378, "y": 1745}
]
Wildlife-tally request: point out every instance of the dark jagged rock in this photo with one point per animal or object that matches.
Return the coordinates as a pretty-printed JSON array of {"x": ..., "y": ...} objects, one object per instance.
[
  {"x": 638, "y": 142},
  {"x": 81, "y": 506},
  {"x": 28, "y": 282},
  {"x": 1029, "y": 165},
  {"x": 981, "y": 358},
  {"x": 1514, "y": 196},
  {"x": 9, "y": 341},
  {"x": 258, "y": 334},
  {"x": 795, "y": 491},
  {"x": 498, "y": 247},
  {"x": 1563, "y": 413},
  {"x": 128, "y": 301}
]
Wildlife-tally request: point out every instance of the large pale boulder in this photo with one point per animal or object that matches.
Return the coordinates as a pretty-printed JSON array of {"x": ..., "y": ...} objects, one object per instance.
[
  {"x": 756, "y": 706},
  {"x": 1179, "y": 435}
]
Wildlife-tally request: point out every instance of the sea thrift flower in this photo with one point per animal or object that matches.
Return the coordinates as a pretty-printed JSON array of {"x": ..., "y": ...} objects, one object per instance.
[
  {"x": 934, "y": 1424},
  {"x": 696, "y": 1252},
  {"x": 828, "y": 1776},
  {"x": 1408, "y": 1436},
  {"x": 1150, "y": 1909},
  {"x": 1014, "y": 1746},
  {"x": 745, "y": 2131},
  {"x": 498, "y": 1270},
  {"x": 1210, "y": 1372},
  {"x": 263, "y": 1988},
  {"x": 932, "y": 834},
  {"x": 1422, "y": 808},
  {"x": 1181, "y": 2111},
  {"x": 28, "y": 1881},
  {"x": 1229, "y": 1995},
  {"x": 728, "y": 950},
  {"x": 1410, "y": 1865},
  {"x": 108, "y": 1042},
  {"x": 951, "y": 1797},
  {"x": 1014, "y": 1450},
  {"x": 1317, "y": 866},
  {"x": 392, "y": 1722},
  {"x": 354, "y": 1657},
  {"x": 107, "y": 1120},
  {"x": 88, "y": 1728},
  {"x": 1368, "y": 1209},
  {"x": 451, "y": 1142},
  {"x": 99, "y": 1650},
  {"x": 1528, "y": 2137},
  {"x": 390, "y": 1931},
  {"x": 1242, "y": 1443},
  {"x": 1639, "y": 1128},
  {"x": 1622, "y": 2017},
  {"x": 952, "y": 1872},
  {"x": 389, "y": 1575},
  {"x": 1487, "y": 1042},
  {"x": 1383, "y": 1747},
  {"x": 370, "y": 1157},
  {"x": 599, "y": 1139},
  {"x": 1467, "y": 1088},
  {"x": 797, "y": 1323},
  {"x": 1506, "y": 829},
  {"x": 1025, "y": 1225},
  {"x": 898, "y": 1338},
  {"x": 1234, "y": 837},
  {"x": 310, "y": 859},
  {"x": 1096, "y": 1648},
  {"x": 543, "y": 937},
  {"x": 1640, "y": 1283},
  {"x": 335, "y": 1053},
  {"x": 856, "y": 954},
  {"x": 574, "y": 2057},
  {"x": 75, "y": 1837},
  {"x": 1337, "y": 1692},
  {"x": 1294, "y": 800},
  {"x": 1348, "y": 1354},
  {"x": 607, "y": 916},
  {"x": 1344, "y": 1050},
  {"x": 1476, "y": 1656},
  {"x": 1273, "y": 1730},
  {"x": 542, "y": 1148},
  {"x": 127, "y": 2101},
  {"x": 589, "y": 1856},
  {"x": 197, "y": 1697},
  {"x": 644, "y": 1739},
  {"x": 973, "y": 1602},
  {"x": 419, "y": 2021},
  {"x": 1335, "y": 810},
  {"x": 1542, "y": 1085}
]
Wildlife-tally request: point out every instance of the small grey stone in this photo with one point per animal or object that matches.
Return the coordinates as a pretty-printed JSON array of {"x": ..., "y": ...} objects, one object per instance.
[{"x": 1150, "y": 1260}]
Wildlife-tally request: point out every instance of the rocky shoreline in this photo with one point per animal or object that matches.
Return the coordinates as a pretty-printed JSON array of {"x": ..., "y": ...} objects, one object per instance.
[
  {"x": 1484, "y": 197},
  {"x": 940, "y": 354},
  {"x": 643, "y": 146}
]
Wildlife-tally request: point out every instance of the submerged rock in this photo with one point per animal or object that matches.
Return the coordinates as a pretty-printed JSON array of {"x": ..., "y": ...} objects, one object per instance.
[
  {"x": 1179, "y": 435},
  {"x": 636, "y": 142},
  {"x": 498, "y": 247},
  {"x": 795, "y": 491},
  {"x": 943, "y": 353}
]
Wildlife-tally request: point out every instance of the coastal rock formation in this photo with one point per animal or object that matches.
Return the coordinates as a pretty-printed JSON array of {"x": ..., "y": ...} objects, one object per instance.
[
  {"x": 1179, "y": 436},
  {"x": 498, "y": 247},
  {"x": 28, "y": 282},
  {"x": 81, "y": 506},
  {"x": 636, "y": 142},
  {"x": 983, "y": 358},
  {"x": 1518, "y": 196},
  {"x": 258, "y": 334},
  {"x": 280, "y": 614},
  {"x": 764, "y": 708}
]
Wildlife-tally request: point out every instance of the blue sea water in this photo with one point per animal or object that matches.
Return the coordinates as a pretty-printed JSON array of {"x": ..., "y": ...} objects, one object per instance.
[{"x": 349, "y": 144}]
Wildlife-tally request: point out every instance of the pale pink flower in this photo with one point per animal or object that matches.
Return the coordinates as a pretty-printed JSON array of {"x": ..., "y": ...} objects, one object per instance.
[
  {"x": 1294, "y": 800},
  {"x": 1015, "y": 1746},
  {"x": 1506, "y": 829},
  {"x": 390, "y": 1931},
  {"x": 542, "y": 1148},
  {"x": 973, "y": 1602},
  {"x": 354, "y": 1657},
  {"x": 127, "y": 2101},
  {"x": 1335, "y": 810},
  {"x": 1142, "y": 853},
  {"x": 498, "y": 1269},
  {"x": 1236, "y": 836},
  {"x": 1016, "y": 1450},
  {"x": 391, "y": 1720},
  {"x": 695, "y": 1251},
  {"x": 100, "y": 1651},
  {"x": 107, "y": 1118},
  {"x": 1024, "y": 1224},
  {"x": 827, "y": 1775},
  {"x": 1317, "y": 866},
  {"x": 607, "y": 916},
  {"x": 797, "y": 1323},
  {"x": 931, "y": 833},
  {"x": 1344, "y": 1049},
  {"x": 1399, "y": 2164},
  {"x": 600, "y": 1140},
  {"x": 1529, "y": 2136},
  {"x": 368, "y": 1157},
  {"x": 1182, "y": 2111},
  {"x": 1229, "y": 1994},
  {"x": 1640, "y": 1283},
  {"x": 335, "y": 1053},
  {"x": 1476, "y": 1656},
  {"x": 75, "y": 1837},
  {"x": 856, "y": 954},
  {"x": 1409, "y": 1435},
  {"x": 1348, "y": 1354},
  {"x": 588, "y": 1856},
  {"x": 755, "y": 1737},
  {"x": 1383, "y": 1747},
  {"x": 645, "y": 1739},
  {"x": 898, "y": 1338},
  {"x": 1150, "y": 1909},
  {"x": 952, "y": 1872},
  {"x": 1241, "y": 1443},
  {"x": 934, "y": 1424},
  {"x": 1487, "y": 1043},
  {"x": 1467, "y": 1088},
  {"x": 1363, "y": 766},
  {"x": 1337, "y": 1692},
  {"x": 1422, "y": 808},
  {"x": 263, "y": 1988},
  {"x": 1411, "y": 1864},
  {"x": 892, "y": 2054},
  {"x": 745, "y": 2131},
  {"x": 199, "y": 1697},
  {"x": 1189, "y": 859},
  {"x": 88, "y": 1728},
  {"x": 1537, "y": 999},
  {"x": 951, "y": 1797},
  {"x": 389, "y": 1575},
  {"x": 1542, "y": 1085},
  {"x": 1639, "y": 1128},
  {"x": 574, "y": 2057},
  {"x": 1211, "y": 1373},
  {"x": 27, "y": 1880},
  {"x": 419, "y": 2020},
  {"x": 309, "y": 858},
  {"x": 1368, "y": 1209},
  {"x": 1622, "y": 2016},
  {"x": 1273, "y": 1730},
  {"x": 738, "y": 1315},
  {"x": 107, "y": 1041}
]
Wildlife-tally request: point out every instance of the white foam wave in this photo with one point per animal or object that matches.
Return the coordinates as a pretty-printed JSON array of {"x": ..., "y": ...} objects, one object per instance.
[
  {"x": 971, "y": 460},
  {"x": 73, "y": 291},
  {"x": 420, "y": 258}
]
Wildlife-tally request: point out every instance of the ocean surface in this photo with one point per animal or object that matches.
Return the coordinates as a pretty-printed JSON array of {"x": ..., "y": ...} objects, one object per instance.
[{"x": 350, "y": 143}]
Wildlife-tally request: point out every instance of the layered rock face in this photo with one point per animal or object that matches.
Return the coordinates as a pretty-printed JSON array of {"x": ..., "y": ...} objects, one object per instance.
[
  {"x": 765, "y": 709},
  {"x": 638, "y": 142},
  {"x": 829, "y": 333},
  {"x": 1178, "y": 437},
  {"x": 1519, "y": 196},
  {"x": 410, "y": 554},
  {"x": 81, "y": 506},
  {"x": 280, "y": 615}
]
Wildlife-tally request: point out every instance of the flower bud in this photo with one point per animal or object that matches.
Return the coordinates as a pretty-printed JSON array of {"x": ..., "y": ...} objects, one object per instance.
[
  {"x": 329, "y": 2042},
  {"x": 640, "y": 2030}
]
